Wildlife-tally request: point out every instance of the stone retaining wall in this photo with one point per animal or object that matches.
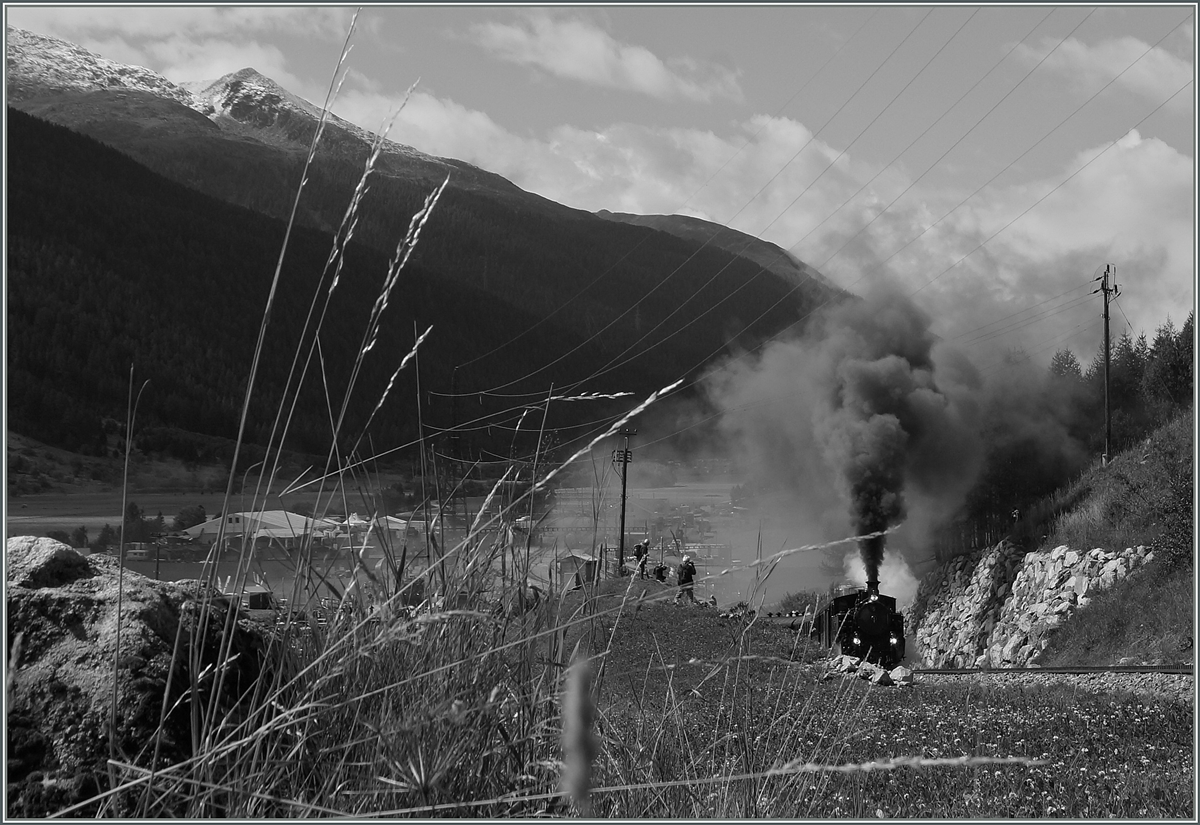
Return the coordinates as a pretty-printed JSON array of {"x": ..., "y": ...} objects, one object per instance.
[{"x": 997, "y": 607}]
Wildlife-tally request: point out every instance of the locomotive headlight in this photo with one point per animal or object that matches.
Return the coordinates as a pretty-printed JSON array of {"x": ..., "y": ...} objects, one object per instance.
[
  {"x": 874, "y": 597},
  {"x": 892, "y": 639},
  {"x": 857, "y": 640}
]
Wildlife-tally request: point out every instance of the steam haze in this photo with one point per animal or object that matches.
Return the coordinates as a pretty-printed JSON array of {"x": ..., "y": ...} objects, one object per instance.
[{"x": 863, "y": 423}]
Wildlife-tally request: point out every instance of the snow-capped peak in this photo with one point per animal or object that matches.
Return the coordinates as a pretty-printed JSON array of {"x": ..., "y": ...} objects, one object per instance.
[{"x": 37, "y": 63}]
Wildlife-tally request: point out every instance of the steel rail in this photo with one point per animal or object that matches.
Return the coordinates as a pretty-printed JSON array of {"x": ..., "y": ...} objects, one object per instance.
[{"x": 1185, "y": 670}]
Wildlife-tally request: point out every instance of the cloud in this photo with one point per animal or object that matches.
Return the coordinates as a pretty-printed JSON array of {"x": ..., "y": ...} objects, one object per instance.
[
  {"x": 1133, "y": 206},
  {"x": 769, "y": 176},
  {"x": 1155, "y": 74},
  {"x": 210, "y": 58},
  {"x": 185, "y": 43},
  {"x": 577, "y": 50},
  {"x": 444, "y": 128},
  {"x": 182, "y": 59},
  {"x": 98, "y": 23}
]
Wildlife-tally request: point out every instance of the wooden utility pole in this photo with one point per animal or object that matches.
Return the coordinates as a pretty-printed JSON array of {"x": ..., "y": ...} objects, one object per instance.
[
  {"x": 459, "y": 493},
  {"x": 1107, "y": 290},
  {"x": 624, "y": 456}
]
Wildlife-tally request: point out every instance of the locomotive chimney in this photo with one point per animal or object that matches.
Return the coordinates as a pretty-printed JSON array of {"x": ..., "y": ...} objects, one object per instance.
[{"x": 872, "y": 555}]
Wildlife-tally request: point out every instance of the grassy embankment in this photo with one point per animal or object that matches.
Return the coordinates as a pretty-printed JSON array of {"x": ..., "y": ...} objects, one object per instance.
[
  {"x": 1144, "y": 496},
  {"x": 711, "y": 717}
]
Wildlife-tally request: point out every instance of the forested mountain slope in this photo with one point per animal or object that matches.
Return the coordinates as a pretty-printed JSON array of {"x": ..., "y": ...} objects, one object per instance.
[{"x": 111, "y": 265}]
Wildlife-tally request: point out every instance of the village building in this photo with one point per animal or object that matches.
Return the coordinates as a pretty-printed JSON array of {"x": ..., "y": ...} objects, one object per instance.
[{"x": 276, "y": 528}]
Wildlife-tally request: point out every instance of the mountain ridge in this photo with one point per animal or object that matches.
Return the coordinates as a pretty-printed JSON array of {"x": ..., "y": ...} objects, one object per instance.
[
  {"x": 631, "y": 296},
  {"x": 36, "y": 62},
  {"x": 247, "y": 105},
  {"x": 769, "y": 255}
]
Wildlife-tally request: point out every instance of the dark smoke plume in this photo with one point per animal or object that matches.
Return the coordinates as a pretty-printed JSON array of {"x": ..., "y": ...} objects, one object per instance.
[
  {"x": 870, "y": 404},
  {"x": 883, "y": 411}
]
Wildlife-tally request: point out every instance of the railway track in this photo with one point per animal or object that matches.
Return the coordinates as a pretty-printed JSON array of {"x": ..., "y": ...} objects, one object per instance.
[
  {"x": 801, "y": 623},
  {"x": 1182, "y": 670}
]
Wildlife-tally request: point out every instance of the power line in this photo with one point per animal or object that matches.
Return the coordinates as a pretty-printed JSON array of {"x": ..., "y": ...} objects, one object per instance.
[
  {"x": 1022, "y": 324},
  {"x": 1019, "y": 216},
  {"x": 1079, "y": 328},
  {"x": 951, "y": 148},
  {"x": 1035, "y": 145},
  {"x": 613, "y": 364},
  {"x": 616, "y": 362},
  {"x": 1031, "y": 206},
  {"x": 1020, "y": 311},
  {"x": 797, "y": 286},
  {"x": 711, "y": 178},
  {"x": 913, "y": 142},
  {"x": 690, "y": 257}
]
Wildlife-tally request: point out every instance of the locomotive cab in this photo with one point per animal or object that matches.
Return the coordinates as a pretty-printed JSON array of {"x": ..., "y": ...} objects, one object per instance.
[{"x": 863, "y": 624}]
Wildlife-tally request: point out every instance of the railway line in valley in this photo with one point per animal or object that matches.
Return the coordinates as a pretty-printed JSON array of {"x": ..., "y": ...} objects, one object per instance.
[
  {"x": 1167, "y": 682},
  {"x": 1179, "y": 670}
]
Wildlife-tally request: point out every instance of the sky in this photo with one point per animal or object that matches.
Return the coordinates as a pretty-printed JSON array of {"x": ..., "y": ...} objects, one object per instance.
[{"x": 988, "y": 161}]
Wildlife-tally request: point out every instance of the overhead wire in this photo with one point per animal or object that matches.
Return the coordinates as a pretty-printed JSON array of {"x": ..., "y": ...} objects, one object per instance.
[
  {"x": 1061, "y": 337},
  {"x": 954, "y": 145},
  {"x": 710, "y": 179},
  {"x": 1023, "y": 213},
  {"x": 797, "y": 286},
  {"x": 785, "y": 396},
  {"x": 1021, "y": 311},
  {"x": 493, "y": 391},
  {"x": 1158, "y": 376},
  {"x": 992, "y": 335},
  {"x": 696, "y": 252},
  {"x": 616, "y": 362},
  {"x": 1034, "y": 146},
  {"x": 1040, "y": 200},
  {"x": 1113, "y": 143},
  {"x": 1128, "y": 325},
  {"x": 928, "y": 128}
]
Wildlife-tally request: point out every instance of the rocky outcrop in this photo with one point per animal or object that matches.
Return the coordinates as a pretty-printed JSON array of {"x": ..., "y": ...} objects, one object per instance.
[
  {"x": 1048, "y": 588},
  {"x": 958, "y": 606},
  {"x": 63, "y": 664},
  {"x": 997, "y": 607}
]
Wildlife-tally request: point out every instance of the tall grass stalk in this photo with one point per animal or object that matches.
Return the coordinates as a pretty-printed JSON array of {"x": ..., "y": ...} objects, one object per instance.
[{"x": 130, "y": 411}]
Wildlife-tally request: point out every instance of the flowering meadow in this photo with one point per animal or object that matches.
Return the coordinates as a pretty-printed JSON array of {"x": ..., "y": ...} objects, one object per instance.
[
  {"x": 1094, "y": 755},
  {"x": 710, "y": 719}
]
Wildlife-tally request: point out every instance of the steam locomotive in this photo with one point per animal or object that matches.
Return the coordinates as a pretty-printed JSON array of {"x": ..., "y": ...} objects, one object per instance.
[{"x": 863, "y": 624}]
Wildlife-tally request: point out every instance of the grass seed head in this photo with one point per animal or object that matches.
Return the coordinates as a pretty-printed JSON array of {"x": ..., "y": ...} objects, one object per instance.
[{"x": 579, "y": 743}]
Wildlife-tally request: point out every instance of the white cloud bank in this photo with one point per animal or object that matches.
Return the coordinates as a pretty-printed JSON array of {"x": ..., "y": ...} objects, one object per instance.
[
  {"x": 1153, "y": 73},
  {"x": 82, "y": 22},
  {"x": 575, "y": 49},
  {"x": 1132, "y": 206},
  {"x": 190, "y": 43}
]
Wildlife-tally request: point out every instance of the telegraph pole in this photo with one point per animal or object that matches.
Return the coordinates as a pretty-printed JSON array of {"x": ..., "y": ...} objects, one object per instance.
[
  {"x": 456, "y": 451},
  {"x": 623, "y": 455},
  {"x": 1108, "y": 290}
]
